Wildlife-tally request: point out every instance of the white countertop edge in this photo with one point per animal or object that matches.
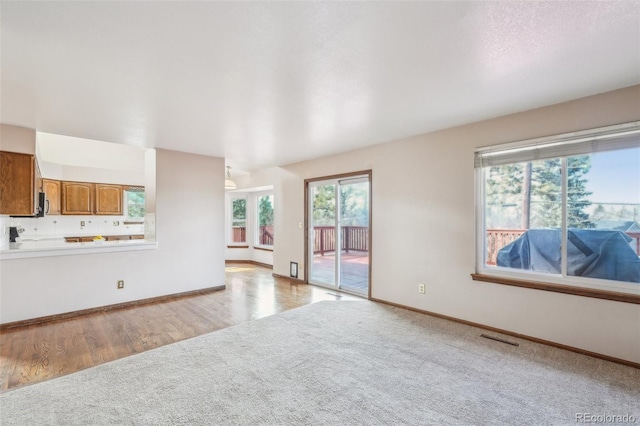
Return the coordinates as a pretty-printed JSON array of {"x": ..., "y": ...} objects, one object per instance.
[{"x": 77, "y": 249}]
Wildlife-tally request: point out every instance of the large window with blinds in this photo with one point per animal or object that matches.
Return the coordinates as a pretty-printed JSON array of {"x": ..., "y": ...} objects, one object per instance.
[{"x": 562, "y": 209}]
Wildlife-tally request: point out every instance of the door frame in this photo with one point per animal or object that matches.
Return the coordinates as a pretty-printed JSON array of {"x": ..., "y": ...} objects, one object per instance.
[{"x": 367, "y": 173}]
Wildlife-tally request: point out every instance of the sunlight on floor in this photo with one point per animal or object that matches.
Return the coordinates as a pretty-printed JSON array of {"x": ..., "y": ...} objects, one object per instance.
[{"x": 237, "y": 269}]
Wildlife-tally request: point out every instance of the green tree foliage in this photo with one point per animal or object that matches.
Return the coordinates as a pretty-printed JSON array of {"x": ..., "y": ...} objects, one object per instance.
[
  {"x": 504, "y": 194},
  {"x": 354, "y": 205},
  {"x": 324, "y": 205},
  {"x": 577, "y": 195},
  {"x": 546, "y": 194},
  {"x": 265, "y": 210},
  {"x": 135, "y": 204},
  {"x": 239, "y": 209}
]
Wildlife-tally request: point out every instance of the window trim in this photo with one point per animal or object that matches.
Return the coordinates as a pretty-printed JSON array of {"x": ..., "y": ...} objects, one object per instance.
[
  {"x": 230, "y": 242},
  {"x": 589, "y": 287},
  {"x": 256, "y": 243}
]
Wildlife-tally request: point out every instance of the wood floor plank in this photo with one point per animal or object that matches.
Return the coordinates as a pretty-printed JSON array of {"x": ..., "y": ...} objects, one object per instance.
[{"x": 40, "y": 352}]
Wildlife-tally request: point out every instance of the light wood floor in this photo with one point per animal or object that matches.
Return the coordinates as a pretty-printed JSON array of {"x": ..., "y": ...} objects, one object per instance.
[{"x": 36, "y": 353}]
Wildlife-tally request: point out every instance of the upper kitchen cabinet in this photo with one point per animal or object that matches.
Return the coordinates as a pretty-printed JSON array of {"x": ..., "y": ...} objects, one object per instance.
[
  {"x": 51, "y": 189},
  {"x": 18, "y": 184},
  {"x": 77, "y": 198},
  {"x": 108, "y": 199}
]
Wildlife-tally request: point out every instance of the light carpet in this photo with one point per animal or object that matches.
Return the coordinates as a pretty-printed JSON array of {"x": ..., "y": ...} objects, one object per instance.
[{"x": 335, "y": 363}]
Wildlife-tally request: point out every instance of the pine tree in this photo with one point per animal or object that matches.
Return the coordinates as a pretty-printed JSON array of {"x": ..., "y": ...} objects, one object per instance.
[
  {"x": 577, "y": 195},
  {"x": 546, "y": 198},
  {"x": 239, "y": 209},
  {"x": 265, "y": 211},
  {"x": 505, "y": 194}
]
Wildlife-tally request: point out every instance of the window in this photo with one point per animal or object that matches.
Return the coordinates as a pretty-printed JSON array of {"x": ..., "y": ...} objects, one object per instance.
[
  {"x": 134, "y": 201},
  {"x": 264, "y": 236},
  {"x": 563, "y": 210},
  {"x": 238, "y": 220}
]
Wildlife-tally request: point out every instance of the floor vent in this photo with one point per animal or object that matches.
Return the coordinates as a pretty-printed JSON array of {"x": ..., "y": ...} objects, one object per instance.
[
  {"x": 334, "y": 294},
  {"x": 497, "y": 339}
]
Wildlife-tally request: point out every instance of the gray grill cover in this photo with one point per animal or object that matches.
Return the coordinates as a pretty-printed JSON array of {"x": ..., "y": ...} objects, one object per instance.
[{"x": 591, "y": 253}]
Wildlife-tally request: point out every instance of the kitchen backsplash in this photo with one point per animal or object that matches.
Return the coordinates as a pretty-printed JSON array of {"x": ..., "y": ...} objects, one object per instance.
[{"x": 69, "y": 226}]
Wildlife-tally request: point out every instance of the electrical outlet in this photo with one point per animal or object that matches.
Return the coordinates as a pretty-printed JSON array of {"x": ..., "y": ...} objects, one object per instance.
[
  {"x": 421, "y": 288},
  {"x": 120, "y": 284},
  {"x": 116, "y": 223},
  {"x": 82, "y": 223}
]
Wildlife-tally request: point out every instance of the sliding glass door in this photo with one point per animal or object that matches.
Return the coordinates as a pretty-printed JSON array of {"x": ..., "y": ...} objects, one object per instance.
[{"x": 338, "y": 234}]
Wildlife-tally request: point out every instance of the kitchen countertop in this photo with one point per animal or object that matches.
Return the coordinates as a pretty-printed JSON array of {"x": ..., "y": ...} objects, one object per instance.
[{"x": 56, "y": 246}]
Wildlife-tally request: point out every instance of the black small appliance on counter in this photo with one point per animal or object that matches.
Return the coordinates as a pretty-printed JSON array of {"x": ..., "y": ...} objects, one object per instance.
[{"x": 13, "y": 234}]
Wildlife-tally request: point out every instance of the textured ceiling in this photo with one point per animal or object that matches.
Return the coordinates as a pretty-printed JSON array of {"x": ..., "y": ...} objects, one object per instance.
[{"x": 271, "y": 83}]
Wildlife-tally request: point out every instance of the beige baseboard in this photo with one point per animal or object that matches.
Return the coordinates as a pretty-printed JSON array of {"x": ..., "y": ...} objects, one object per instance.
[{"x": 518, "y": 335}]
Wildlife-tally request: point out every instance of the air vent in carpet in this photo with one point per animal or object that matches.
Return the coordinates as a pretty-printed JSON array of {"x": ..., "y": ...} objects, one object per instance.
[{"x": 497, "y": 339}]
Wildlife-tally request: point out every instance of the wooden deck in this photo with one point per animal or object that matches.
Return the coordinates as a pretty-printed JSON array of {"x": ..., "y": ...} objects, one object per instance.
[{"x": 354, "y": 272}]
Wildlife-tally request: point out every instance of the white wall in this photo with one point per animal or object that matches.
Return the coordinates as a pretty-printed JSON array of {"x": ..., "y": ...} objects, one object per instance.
[
  {"x": 17, "y": 139},
  {"x": 428, "y": 182},
  {"x": 189, "y": 213},
  {"x": 85, "y": 160}
]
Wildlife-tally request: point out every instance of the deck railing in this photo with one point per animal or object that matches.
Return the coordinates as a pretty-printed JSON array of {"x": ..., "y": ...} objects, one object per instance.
[
  {"x": 265, "y": 235},
  {"x": 635, "y": 236},
  {"x": 239, "y": 234},
  {"x": 498, "y": 238},
  {"x": 355, "y": 238}
]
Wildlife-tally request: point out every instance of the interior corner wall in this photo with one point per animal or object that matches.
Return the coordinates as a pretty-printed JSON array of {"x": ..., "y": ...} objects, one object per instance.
[
  {"x": 423, "y": 227},
  {"x": 190, "y": 253}
]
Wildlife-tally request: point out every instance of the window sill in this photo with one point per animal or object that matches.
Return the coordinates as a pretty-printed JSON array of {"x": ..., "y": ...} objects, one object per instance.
[
  {"x": 240, "y": 247},
  {"x": 558, "y": 288},
  {"x": 263, "y": 248}
]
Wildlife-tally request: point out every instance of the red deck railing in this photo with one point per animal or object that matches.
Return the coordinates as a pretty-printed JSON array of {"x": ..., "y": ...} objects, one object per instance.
[
  {"x": 265, "y": 235},
  {"x": 239, "y": 234},
  {"x": 354, "y": 238},
  {"x": 498, "y": 238}
]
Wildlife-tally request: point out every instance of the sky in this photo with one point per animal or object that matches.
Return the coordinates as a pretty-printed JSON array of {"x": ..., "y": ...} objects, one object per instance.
[{"x": 615, "y": 177}]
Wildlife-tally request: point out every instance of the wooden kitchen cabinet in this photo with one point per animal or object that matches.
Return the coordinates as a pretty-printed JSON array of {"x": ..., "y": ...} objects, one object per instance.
[
  {"x": 18, "y": 184},
  {"x": 108, "y": 199},
  {"x": 51, "y": 189},
  {"x": 77, "y": 198}
]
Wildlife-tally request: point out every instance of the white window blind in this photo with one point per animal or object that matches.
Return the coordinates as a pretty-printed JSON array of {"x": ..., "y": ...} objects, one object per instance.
[{"x": 579, "y": 143}]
